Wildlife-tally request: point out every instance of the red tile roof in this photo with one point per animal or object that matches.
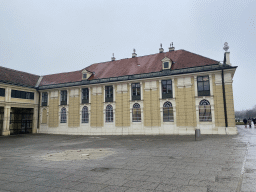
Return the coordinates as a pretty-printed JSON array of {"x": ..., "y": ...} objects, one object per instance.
[
  {"x": 129, "y": 66},
  {"x": 17, "y": 77}
]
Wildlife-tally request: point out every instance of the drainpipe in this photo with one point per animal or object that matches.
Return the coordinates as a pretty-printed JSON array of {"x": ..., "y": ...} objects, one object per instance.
[
  {"x": 224, "y": 100},
  {"x": 38, "y": 117}
]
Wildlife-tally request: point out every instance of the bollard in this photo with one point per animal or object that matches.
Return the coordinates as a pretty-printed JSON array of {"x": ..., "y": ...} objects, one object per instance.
[{"x": 197, "y": 133}]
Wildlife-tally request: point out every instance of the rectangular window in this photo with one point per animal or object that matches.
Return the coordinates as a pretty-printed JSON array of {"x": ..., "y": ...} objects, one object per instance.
[
  {"x": 109, "y": 94},
  {"x": 2, "y": 92},
  {"x": 22, "y": 94},
  {"x": 63, "y": 97},
  {"x": 84, "y": 76},
  {"x": 166, "y": 89},
  {"x": 85, "y": 95},
  {"x": 166, "y": 65},
  {"x": 136, "y": 91},
  {"x": 203, "y": 86},
  {"x": 44, "y": 98}
]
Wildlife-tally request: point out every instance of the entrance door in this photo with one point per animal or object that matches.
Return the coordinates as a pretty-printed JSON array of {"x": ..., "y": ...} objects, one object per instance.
[{"x": 21, "y": 121}]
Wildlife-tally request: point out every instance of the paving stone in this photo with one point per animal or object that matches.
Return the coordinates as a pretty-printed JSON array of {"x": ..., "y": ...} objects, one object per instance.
[
  {"x": 166, "y": 187},
  {"x": 140, "y": 163},
  {"x": 114, "y": 189},
  {"x": 141, "y": 184},
  {"x": 89, "y": 187},
  {"x": 13, "y": 186}
]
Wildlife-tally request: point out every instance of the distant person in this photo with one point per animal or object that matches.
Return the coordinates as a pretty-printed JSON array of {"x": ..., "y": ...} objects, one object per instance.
[
  {"x": 254, "y": 121},
  {"x": 250, "y": 122},
  {"x": 245, "y": 122}
]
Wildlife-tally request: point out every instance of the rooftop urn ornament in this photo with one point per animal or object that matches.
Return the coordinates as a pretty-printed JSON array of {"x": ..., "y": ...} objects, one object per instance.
[
  {"x": 171, "y": 48},
  {"x": 226, "y": 47},
  {"x": 134, "y": 53},
  {"x": 161, "y": 50},
  {"x": 113, "y": 58},
  {"x": 226, "y": 54}
]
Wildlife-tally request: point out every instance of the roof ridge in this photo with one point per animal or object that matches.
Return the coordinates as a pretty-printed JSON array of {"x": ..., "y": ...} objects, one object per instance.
[
  {"x": 198, "y": 54},
  {"x": 19, "y": 71},
  {"x": 63, "y": 72},
  {"x": 131, "y": 58}
]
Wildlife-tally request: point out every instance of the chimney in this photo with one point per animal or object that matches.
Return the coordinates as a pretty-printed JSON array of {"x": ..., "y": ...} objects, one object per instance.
[
  {"x": 134, "y": 54},
  {"x": 226, "y": 54},
  {"x": 161, "y": 50},
  {"x": 113, "y": 58},
  {"x": 171, "y": 48}
]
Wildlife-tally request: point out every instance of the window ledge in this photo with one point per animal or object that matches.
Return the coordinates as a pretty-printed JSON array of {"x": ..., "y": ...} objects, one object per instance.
[
  {"x": 205, "y": 122},
  {"x": 174, "y": 98},
  {"x": 204, "y": 96}
]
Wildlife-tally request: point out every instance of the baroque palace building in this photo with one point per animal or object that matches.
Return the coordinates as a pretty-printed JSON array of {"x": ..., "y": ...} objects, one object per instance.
[{"x": 172, "y": 92}]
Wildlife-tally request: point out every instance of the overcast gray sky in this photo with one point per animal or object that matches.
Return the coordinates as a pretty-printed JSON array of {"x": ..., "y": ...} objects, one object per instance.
[{"x": 52, "y": 36}]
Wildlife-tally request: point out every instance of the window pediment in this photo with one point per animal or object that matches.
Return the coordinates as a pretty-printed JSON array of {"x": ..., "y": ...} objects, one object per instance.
[{"x": 166, "y": 63}]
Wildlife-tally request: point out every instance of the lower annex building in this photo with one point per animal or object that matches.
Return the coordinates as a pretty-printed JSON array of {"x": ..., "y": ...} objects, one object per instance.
[{"x": 172, "y": 92}]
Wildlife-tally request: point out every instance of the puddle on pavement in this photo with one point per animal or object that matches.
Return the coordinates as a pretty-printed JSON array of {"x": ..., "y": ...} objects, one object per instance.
[{"x": 81, "y": 154}]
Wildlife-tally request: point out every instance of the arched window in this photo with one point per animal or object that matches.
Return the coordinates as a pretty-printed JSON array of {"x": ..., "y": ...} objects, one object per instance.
[
  {"x": 136, "y": 113},
  {"x": 85, "y": 115},
  {"x": 63, "y": 115},
  {"x": 205, "y": 111},
  {"x": 109, "y": 113},
  {"x": 167, "y": 112}
]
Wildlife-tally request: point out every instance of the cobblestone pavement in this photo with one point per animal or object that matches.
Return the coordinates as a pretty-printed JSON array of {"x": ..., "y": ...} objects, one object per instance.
[{"x": 215, "y": 163}]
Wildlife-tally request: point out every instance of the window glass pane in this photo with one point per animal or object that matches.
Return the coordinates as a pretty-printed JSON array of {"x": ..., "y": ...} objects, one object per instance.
[
  {"x": 200, "y": 86},
  {"x": 169, "y": 82},
  {"x": 205, "y": 78},
  {"x": 206, "y": 85},
  {"x": 166, "y": 64},
  {"x": 138, "y": 91},
  {"x": 137, "y": 85},
  {"x": 2, "y": 92},
  {"x": 164, "y": 89},
  {"x": 169, "y": 88},
  {"x": 23, "y": 94},
  {"x": 18, "y": 94},
  {"x": 200, "y": 78},
  {"x": 133, "y": 91}
]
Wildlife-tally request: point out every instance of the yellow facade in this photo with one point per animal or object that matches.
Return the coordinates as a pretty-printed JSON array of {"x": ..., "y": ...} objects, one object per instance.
[
  {"x": 230, "y": 105},
  {"x": 44, "y": 116},
  {"x": 74, "y": 111},
  {"x": 54, "y": 112},
  {"x": 151, "y": 107},
  {"x": 14, "y": 106},
  {"x": 122, "y": 113},
  {"x": 218, "y": 103},
  {"x": 185, "y": 105},
  {"x": 96, "y": 110}
]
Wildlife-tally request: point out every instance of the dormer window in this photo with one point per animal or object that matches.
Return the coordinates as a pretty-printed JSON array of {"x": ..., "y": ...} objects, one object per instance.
[
  {"x": 86, "y": 74},
  {"x": 166, "y": 63}
]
